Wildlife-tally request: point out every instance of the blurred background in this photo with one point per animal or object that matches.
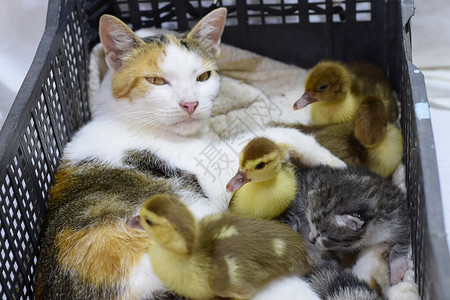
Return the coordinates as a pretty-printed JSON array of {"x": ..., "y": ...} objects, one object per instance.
[{"x": 22, "y": 24}]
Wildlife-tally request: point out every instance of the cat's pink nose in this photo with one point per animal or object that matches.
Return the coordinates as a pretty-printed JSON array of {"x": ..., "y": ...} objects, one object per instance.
[
  {"x": 189, "y": 106},
  {"x": 312, "y": 238}
]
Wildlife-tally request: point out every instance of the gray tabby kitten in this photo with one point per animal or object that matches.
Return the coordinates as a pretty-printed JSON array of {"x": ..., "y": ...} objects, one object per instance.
[{"x": 345, "y": 210}]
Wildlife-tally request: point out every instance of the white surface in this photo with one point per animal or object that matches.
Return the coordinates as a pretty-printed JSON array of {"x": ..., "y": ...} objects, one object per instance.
[
  {"x": 22, "y": 24},
  {"x": 431, "y": 53},
  {"x": 21, "y": 27},
  {"x": 431, "y": 34},
  {"x": 440, "y": 120}
]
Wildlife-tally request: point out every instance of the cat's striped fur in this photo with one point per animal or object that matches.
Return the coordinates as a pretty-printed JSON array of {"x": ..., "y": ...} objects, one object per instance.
[{"x": 332, "y": 283}]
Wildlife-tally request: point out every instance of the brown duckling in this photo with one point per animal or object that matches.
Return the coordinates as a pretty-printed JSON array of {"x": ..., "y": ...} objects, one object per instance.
[
  {"x": 334, "y": 91},
  {"x": 382, "y": 140},
  {"x": 368, "y": 141},
  {"x": 221, "y": 255}
]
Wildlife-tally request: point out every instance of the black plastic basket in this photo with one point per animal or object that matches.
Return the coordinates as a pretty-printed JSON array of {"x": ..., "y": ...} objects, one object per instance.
[{"x": 53, "y": 103}]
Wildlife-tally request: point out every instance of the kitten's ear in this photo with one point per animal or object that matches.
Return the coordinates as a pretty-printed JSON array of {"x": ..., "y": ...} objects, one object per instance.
[
  {"x": 352, "y": 222},
  {"x": 117, "y": 39},
  {"x": 210, "y": 29}
]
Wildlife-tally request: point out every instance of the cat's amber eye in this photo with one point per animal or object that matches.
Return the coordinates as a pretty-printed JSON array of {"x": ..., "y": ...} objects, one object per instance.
[
  {"x": 156, "y": 80},
  {"x": 204, "y": 76}
]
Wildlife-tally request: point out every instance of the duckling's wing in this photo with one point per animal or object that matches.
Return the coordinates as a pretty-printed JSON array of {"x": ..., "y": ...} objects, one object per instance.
[{"x": 248, "y": 253}]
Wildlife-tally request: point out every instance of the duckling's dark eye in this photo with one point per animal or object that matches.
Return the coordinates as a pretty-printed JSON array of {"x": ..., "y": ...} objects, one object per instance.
[
  {"x": 260, "y": 165},
  {"x": 150, "y": 223},
  {"x": 204, "y": 76},
  {"x": 156, "y": 80},
  {"x": 322, "y": 87}
]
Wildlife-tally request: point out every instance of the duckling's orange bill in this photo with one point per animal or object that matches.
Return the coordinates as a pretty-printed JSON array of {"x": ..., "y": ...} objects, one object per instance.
[
  {"x": 237, "y": 181},
  {"x": 304, "y": 100}
]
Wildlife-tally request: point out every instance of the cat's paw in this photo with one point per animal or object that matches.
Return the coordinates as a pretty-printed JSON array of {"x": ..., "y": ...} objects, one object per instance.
[
  {"x": 372, "y": 266},
  {"x": 331, "y": 160},
  {"x": 403, "y": 291},
  {"x": 409, "y": 274},
  {"x": 302, "y": 148},
  {"x": 315, "y": 158},
  {"x": 398, "y": 268}
]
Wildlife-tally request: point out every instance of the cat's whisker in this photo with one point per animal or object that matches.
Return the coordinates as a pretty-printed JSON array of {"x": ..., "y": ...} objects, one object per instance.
[
  {"x": 146, "y": 123},
  {"x": 144, "y": 119}
]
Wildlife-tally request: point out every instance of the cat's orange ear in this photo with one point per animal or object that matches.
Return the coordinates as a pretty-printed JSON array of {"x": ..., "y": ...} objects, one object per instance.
[
  {"x": 117, "y": 39},
  {"x": 210, "y": 29}
]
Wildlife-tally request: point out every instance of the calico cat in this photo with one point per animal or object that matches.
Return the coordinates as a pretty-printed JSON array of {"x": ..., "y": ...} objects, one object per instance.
[
  {"x": 149, "y": 124},
  {"x": 345, "y": 210},
  {"x": 106, "y": 172}
]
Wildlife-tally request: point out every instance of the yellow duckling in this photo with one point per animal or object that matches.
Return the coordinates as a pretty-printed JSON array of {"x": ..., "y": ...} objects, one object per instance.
[
  {"x": 334, "y": 91},
  {"x": 369, "y": 141},
  {"x": 222, "y": 255},
  {"x": 262, "y": 175}
]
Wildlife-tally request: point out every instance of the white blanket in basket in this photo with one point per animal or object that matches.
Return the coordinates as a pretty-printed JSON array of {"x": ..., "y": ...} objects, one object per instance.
[{"x": 255, "y": 91}]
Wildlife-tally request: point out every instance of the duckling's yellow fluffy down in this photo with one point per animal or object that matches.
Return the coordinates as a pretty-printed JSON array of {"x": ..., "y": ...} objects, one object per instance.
[{"x": 223, "y": 255}]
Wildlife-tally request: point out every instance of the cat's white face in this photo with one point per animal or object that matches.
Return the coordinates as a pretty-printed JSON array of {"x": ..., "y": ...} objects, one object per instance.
[
  {"x": 165, "y": 83},
  {"x": 182, "y": 103}
]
